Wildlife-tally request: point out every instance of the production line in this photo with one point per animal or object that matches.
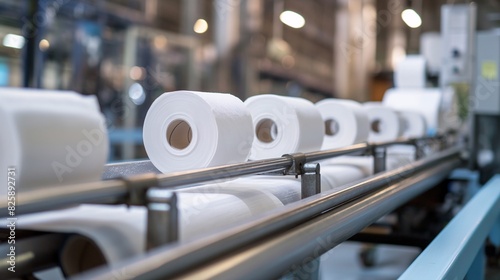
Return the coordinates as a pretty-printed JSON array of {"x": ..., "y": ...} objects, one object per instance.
[
  {"x": 180, "y": 211},
  {"x": 262, "y": 187}
]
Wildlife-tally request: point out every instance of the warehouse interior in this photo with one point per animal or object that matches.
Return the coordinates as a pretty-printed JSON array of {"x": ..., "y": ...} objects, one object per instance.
[{"x": 250, "y": 139}]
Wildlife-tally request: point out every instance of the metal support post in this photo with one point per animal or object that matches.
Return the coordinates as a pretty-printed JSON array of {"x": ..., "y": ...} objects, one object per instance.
[
  {"x": 163, "y": 218},
  {"x": 310, "y": 180},
  {"x": 379, "y": 159},
  {"x": 419, "y": 151}
]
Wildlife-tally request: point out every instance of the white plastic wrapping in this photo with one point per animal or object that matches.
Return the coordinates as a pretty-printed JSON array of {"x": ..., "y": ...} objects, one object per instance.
[
  {"x": 186, "y": 130},
  {"x": 51, "y": 138},
  {"x": 346, "y": 123},
  {"x": 284, "y": 125}
]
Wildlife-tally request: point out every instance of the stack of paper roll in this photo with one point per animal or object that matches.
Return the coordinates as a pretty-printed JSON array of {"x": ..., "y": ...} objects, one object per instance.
[{"x": 50, "y": 138}]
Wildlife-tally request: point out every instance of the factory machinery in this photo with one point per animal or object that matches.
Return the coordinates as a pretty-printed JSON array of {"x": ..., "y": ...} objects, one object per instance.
[{"x": 289, "y": 240}]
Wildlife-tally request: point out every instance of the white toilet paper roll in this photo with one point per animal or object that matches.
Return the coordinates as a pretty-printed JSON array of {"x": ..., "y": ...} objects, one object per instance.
[
  {"x": 284, "y": 125},
  {"x": 339, "y": 175},
  {"x": 346, "y": 123},
  {"x": 414, "y": 124},
  {"x": 385, "y": 123},
  {"x": 438, "y": 107},
  {"x": 188, "y": 130},
  {"x": 411, "y": 72},
  {"x": 50, "y": 138},
  {"x": 120, "y": 232}
]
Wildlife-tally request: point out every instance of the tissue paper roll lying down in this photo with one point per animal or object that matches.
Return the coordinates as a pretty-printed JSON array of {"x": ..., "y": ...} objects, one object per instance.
[
  {"x": 51, "y": 138},
  {"x": 119, "y": 232},
  {"x": 438, "y": 107},
  {"x": 385, "y": 123},
  {"x": 186, "y": 130},
  {"x": 284, "y": 125},
  {"x": 397, "y": 156},
  {"x": 346, "y": 123}
]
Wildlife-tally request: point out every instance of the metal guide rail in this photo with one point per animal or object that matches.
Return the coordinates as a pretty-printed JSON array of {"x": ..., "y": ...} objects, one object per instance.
[
  {"x": 156, "y": 190},
  {"x": 132, "y": 190},
  {"x": 292, "y": 235}
]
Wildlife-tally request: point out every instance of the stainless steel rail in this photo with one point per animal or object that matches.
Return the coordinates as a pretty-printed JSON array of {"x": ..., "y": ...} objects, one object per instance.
[
  {"x": 293, "y": 250},
  {"x": 132, "y": 189},
  {"x": 177, "y": 258}
]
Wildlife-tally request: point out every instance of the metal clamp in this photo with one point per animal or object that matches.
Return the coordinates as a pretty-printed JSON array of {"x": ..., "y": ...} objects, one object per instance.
[
  {"x": 163, "y": 218},
  {"x": 379, "y": 159},
  {"x": 298, "y": 162},
  {"x": 309, "y": 174}
]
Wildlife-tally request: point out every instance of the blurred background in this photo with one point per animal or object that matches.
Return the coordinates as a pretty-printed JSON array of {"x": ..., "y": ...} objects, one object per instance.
[{"x": 128, "y": 52}]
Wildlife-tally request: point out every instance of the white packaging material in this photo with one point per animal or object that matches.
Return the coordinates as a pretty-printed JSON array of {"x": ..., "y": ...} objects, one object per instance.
[
  {"x": 414, "y": 124},
  {"x": 50, "y": 138},
  {"x": 346, "y": 123},
  {"x": 386, "y": 124},
  {"x": 284, "y": 125},
  {"x": 410, "y": 72},
  {"x": 186, "y": 130}
]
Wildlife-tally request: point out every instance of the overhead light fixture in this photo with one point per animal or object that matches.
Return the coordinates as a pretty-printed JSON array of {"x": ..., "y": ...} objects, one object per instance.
[
  {"x": 44, "y": 45},
  {"x": 200, "y": 26},
  {"x": 292, "y": 19},
  {"x": 13, "y": 41},
  {"x": 411, "y": 18}
]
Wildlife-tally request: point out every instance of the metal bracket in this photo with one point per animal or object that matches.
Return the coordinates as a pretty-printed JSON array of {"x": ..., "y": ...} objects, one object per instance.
[
  {"x": 419, "y": 151},
  {"x": 163, "y": 218},
  {"x": 309, "y": 174},
  {"x": 310, "y": 180},
  {"x": 137, "y": 187},
  {"x": 298, "y": 161},
  {"x": 379, "y": 159}
]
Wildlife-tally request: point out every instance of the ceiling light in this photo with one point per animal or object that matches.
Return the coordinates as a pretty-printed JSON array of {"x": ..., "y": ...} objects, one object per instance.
[
  {"x": 13, "y": 41},
  {"x": 411, "y": 18},
  {"x": 200, "y": 26},
  {"x": 292, "y": 19}
]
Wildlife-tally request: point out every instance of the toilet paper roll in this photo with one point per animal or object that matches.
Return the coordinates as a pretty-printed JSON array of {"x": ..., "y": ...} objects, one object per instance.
[
  {"x": 50, "y": 138},
  {"x": 119, "y": 231},
  {"x": 414, "y": 124},
  {"x": 438, "y": 107},
  {"x": 339, "y": 175},
  {"x": 411, "y": 72},
  {"x": 385, "y": 123},
  {"x": 186, "y": 130},
  {"x": 346, "y": 123},
  {"x": 284, "y": 125}
]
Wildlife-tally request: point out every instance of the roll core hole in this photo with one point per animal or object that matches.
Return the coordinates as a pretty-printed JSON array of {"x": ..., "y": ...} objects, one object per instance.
[
  {"x": 266, "y": 130},
  {"x": 179, "y": 134},
  {"x": 331, "y": 127},
  {"x": 376, "y": 126}
]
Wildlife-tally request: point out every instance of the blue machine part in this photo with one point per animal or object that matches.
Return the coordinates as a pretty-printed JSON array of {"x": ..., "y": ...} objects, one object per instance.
[{"x": 457, "y": 250}]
